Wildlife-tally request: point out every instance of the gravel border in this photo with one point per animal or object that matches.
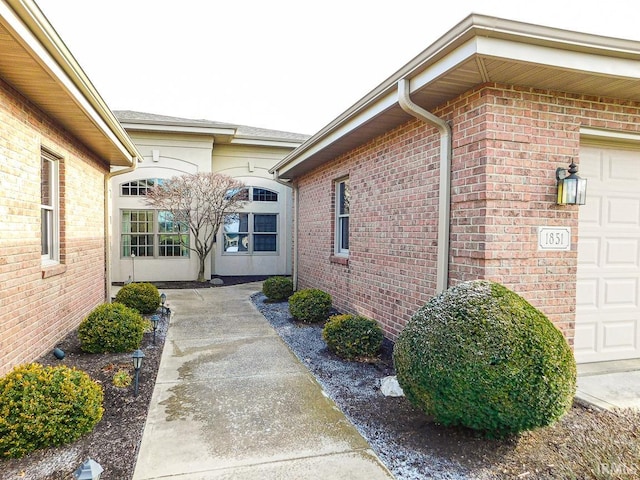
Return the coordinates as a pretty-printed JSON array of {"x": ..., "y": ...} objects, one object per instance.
[{"x": 390, "y": 424}]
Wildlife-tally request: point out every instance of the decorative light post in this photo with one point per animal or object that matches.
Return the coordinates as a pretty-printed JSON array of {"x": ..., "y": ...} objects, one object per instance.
[
  {"x": 155, "y": 318},
  {"x": 163, "y": 300},
  {"x": 133, "y": 267},
  {"x": 137, "y": 356},
  {"x": 89, "y": 470}
]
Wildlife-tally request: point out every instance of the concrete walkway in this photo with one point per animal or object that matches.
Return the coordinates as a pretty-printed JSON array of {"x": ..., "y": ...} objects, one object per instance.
[
  {"x": 610, "y": 385},
  {"x": 232, "y": 402}
]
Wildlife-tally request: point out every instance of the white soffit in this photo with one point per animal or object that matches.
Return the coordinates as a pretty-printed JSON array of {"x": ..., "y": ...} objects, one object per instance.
[{"x": 35, "y": 62}]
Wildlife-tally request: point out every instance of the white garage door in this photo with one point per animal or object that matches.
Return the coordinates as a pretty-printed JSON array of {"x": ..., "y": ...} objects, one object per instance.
[{"x": 608, "y": 288}]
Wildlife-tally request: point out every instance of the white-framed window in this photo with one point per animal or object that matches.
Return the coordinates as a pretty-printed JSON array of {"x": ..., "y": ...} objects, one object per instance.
[
  {"x": 250, "y": 233},
  {"x": 342, "y": 201},
  {"x": 153, "y": 233},
  {"x": 260, "y": 194},
  {"x": 49, "y": 207},
  {"x": 255, "y": 194},
  {"x": 138, "y": 188}
]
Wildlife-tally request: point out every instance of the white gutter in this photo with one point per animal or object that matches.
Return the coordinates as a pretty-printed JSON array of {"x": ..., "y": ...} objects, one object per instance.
[
  {"x": 294, "y": 199},
  {"x": 444, "y": 195}
]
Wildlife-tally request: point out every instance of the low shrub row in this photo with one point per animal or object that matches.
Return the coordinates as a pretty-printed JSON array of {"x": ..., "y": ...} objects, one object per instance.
[
  {"x": 477, "y": 355},
  {"x": 349, "y": 336},
  {"x": 49, "y": 406}
]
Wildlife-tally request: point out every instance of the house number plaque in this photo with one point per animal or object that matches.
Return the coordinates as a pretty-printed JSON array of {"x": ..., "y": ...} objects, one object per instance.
[{"x": 554, "y": 238}]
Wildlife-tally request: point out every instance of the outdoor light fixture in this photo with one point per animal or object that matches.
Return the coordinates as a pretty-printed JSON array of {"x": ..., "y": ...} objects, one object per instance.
[
  {"x": 154, "y": 320},
  {"x": 572, "y": 190},
  {"x": 163, "y": 299},
  {"x": 137, "y": 356},
  {"x": 133, "y": 267},
  {"x": 89, "y": 470}
]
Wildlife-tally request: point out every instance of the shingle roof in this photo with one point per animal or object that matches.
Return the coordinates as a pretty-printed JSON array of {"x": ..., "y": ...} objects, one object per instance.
[{"x": 244, "y": 131}]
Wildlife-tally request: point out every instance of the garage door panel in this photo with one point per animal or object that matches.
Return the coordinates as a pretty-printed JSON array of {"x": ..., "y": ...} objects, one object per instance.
[
  {"x": 623, "y": 165},
  {"x": 622, "y": 252},
  {"x": 592, "y": 164},
  {"x": 621, "y": 292},
  {"x": 608, "y": 276},
  {"x": 592, "y": 215},
  {"x": 619, "y": 336},
  {"x": 587, "y": 294},
  {"x": 589, "y": 253},
  {"x": 586, "y": 338},
  {"x": 623, "y": 212}
]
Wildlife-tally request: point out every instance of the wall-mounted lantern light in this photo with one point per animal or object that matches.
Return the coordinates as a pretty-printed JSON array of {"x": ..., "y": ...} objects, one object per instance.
[
  {"x": 89, "y": 470},
  {"x": 572, "y": 190}
]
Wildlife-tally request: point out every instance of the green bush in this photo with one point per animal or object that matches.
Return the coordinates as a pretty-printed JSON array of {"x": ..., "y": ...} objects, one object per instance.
[
  {"x": 352, "y": 336},
  {"x": 111, "y": 327},
  {"x": 277, "y": 289},
  {"x": 310, "y": 305},
  {"x": 46, "y": 406},
  {"x": 480, "y": 356},
  {"x": 143, "y": 297}
]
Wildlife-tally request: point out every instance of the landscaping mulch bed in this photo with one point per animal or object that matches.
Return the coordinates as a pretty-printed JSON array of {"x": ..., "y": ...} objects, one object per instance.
[
  {"x": 115, "y": 441},
  {"x": 584, "y": 444},
  {"x": 116, "y": 438}
]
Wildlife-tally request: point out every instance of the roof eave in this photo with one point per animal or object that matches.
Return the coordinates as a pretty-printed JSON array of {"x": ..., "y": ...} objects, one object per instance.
[
  {"x": 106, "y": 137},
  {"x": 476, "y": 35}
]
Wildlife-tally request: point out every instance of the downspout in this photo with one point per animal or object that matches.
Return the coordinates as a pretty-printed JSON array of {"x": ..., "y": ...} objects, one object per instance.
[
  {"x": 107, "y": 211},
  {"x": 444, "y": 195},
  {"x": 294, "y": 198}
]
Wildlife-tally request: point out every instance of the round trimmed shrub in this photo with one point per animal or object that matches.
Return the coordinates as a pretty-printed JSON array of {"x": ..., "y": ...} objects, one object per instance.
[
  {"x": 46, "y": 406},
  {"x": 310, "y": 305},
  {"x": 352, "y": 336},
  {"x": 277, "y": 289},
  {"x": 480, "y": 356},
  {"x": 143, "y": 297},
  {"x": 111, "y": 327}
]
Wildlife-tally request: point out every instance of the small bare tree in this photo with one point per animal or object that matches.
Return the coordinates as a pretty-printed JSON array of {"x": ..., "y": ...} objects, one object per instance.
[{"x": 199, "y": 202}]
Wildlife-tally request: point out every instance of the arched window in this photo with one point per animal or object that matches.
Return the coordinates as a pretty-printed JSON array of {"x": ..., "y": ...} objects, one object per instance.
[
  {"x": 264, "y": 195},
  {"x": 136, "y": 188}
]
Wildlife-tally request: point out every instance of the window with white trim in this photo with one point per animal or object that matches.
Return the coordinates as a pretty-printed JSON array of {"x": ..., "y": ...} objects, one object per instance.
[
  {"x": 49, "y": 207},
  {"x": 256, "y": 194},
  {"x": 342, "y": 201},
  {"x": 138, "y": 188},
  {"x": 153, "y": 233},
  {"x": 250, "y": 233}
]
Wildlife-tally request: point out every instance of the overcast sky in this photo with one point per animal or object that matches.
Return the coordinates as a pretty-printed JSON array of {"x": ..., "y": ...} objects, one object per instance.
[{"x": 279, "y": 64}]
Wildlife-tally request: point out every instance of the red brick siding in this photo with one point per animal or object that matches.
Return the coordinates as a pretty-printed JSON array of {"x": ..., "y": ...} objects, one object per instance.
[
  {"x": 38, "y": 308},
  {"x": 507, "y": 143},
  {"x": 393, "y": 224}
]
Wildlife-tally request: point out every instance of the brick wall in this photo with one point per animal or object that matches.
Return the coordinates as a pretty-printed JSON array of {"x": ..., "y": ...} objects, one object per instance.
[
  {"x": 40, "y": 306},
  {"x": 507, "y": 143}
]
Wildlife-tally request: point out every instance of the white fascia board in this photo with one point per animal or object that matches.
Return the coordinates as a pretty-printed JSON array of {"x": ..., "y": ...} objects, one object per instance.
[
  {"x": 265, "y": 142},
  {"x": 358, "y": 119},
  {"x": 151, "y": 127},
  {"x": 379, "y": 104},
  {"x": 558, "y": 58},
  {"x": 52, "y": 58}
]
